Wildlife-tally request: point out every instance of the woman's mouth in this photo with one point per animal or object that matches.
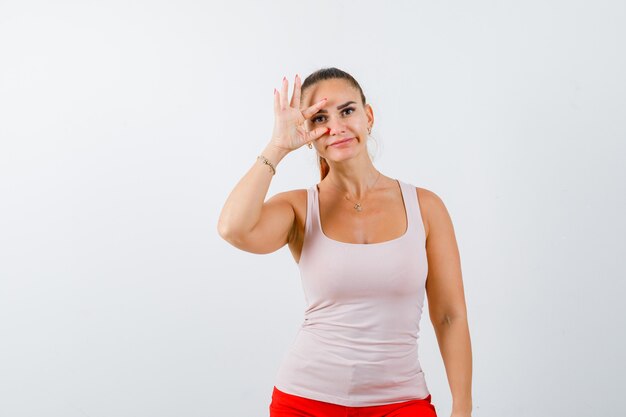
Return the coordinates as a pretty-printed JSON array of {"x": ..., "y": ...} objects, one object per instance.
[{"x": 341, "y": 142}]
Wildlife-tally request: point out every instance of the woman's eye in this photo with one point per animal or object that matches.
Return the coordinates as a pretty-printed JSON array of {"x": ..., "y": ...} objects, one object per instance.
[{"x": 314, "y": 120}]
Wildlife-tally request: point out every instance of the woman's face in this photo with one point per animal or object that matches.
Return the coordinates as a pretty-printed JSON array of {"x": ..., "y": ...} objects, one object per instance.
[{"x": 344, "y": 114}]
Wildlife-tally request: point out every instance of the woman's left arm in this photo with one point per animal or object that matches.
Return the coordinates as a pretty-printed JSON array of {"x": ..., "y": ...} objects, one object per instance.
[{"x": 446, "y": 302}]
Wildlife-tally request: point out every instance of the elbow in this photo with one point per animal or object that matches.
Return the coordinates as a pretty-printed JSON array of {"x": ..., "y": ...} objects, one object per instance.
[
  {"x": 224, "y": 231},
  {"x": 447, "y": 319},
  {"x": 444, "y": 320},
  {"x": 232, "y": 235}
]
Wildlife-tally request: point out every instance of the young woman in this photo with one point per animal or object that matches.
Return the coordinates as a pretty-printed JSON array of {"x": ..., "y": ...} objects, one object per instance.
[{"x": 369, "y": 247}]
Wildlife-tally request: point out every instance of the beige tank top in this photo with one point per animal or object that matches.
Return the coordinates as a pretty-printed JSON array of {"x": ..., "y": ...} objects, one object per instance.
[{"x": 358, "y": 344}]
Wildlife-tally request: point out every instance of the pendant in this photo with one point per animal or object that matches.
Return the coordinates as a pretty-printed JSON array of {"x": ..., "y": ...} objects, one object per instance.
[{"x": 358, "y": 207}]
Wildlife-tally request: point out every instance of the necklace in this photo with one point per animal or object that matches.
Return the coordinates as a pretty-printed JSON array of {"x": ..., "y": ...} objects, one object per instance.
[{"x": 357, "y": 206}]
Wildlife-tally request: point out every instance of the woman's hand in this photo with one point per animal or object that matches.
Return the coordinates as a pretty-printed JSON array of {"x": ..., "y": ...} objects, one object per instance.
[{"x": 289, "y": 130}]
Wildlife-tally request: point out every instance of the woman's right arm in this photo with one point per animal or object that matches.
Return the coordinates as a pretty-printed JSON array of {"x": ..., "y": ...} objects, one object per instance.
[{"x": 247, "y": 221}]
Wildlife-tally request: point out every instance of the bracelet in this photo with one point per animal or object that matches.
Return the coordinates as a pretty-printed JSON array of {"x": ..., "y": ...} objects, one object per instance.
[{"x": 267, "y": 162}]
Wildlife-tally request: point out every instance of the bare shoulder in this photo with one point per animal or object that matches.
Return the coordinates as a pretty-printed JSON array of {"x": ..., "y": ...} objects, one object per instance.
[
  {"x": 432, "y": 207},
  {"x": 294, "y": 197}
]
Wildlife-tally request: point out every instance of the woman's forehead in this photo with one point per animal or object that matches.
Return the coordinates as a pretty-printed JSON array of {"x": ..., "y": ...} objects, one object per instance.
[{"x": 335, "y": 90}]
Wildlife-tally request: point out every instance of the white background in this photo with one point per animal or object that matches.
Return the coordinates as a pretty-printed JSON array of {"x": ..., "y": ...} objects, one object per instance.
[{"x": 125, "y": 124}]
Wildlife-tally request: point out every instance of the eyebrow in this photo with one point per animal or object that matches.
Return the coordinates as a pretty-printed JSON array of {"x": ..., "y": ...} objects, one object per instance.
[{"x": 341, "y": 106}]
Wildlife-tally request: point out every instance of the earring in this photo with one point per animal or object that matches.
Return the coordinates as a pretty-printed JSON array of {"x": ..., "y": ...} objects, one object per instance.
[
  {"x": 369, "y": 130},
  {"x": 309, "y": 145}
]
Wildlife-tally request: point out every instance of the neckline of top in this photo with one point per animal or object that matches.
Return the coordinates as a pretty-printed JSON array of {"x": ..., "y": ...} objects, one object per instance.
[{"x": 316, "y": 201}]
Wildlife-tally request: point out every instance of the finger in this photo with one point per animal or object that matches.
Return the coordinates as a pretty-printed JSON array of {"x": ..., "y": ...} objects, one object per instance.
[
  {"x": 311, "y": 110},
  {"x": 276, "y": 101},
  {"x": 284, "y": 95},
  {"x": 295, "y": 99},
  {"x": 317, "y": 133}
]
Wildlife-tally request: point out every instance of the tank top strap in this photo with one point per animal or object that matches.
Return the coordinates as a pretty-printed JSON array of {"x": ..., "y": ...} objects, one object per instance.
[
  {"x": 311, "y": 211},
  {"x": 414, "y": 215}
]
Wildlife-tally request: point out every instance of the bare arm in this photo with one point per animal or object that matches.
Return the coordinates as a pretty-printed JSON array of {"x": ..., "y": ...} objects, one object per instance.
[
  {"x": 446, "y": 303},
  {"x": 246, "y": 220}
]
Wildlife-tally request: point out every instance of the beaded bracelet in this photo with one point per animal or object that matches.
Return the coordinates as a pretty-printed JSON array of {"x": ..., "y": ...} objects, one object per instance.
[{"x": 267, "y": 162}]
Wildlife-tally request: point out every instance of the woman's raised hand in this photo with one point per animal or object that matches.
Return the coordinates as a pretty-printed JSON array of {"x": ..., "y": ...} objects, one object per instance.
[{"x": 289, "y": 129}]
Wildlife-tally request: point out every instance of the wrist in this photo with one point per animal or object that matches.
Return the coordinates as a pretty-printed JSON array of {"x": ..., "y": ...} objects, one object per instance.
[
  {"x": 274, "y": 154},
  {"x": 461, "y": 409}
]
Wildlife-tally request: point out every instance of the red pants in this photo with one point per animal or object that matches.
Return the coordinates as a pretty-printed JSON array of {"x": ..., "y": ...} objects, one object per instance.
[{"x": 288, "y": 405}]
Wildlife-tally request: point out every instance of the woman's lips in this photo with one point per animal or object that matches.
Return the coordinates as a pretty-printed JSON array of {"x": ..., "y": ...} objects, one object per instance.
[{"x": 338, "y": 143}]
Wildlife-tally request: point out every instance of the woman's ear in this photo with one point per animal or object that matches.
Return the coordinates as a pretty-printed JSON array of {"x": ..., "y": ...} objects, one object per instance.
[{"x": 369, "y": 111}]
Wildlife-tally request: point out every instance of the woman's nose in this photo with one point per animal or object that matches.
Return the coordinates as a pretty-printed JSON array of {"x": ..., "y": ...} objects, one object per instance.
[{"x": 335, "y": 126}]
